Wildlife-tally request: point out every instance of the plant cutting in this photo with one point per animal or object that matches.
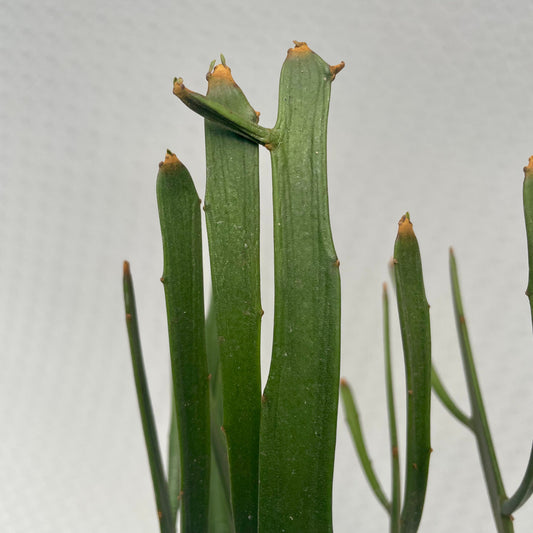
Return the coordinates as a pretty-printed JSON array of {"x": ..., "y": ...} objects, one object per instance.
[{"x": 242, "y": 459}]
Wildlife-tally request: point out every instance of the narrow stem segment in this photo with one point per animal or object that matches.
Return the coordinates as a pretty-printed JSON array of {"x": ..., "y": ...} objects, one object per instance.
[
  {"x": 523, "y": 492},
  {"x": 299, "y": 415},
  {"x": 446, "y": 399},
  {"x": 352, "y": 417},
  {"x": 479, "y": 421},
  {"x": 166, "y": 523},
  {"x": 232, "y": 215},
  {"x": 220, "y": 478},
  {"x": 179, "y": 214},
  {"x": 174, "y": 478},
  {"x": 528, "y": 214},
  {"x": 222, "y": 114},
  {"x": 396, "y": 490},
  {"x": 413, "y": 310}
]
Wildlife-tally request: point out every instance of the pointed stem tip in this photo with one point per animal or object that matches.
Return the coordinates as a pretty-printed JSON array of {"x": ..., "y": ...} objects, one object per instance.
[
  {"x": 405, "y": 226},
  {"x": 529, "y": 168}
]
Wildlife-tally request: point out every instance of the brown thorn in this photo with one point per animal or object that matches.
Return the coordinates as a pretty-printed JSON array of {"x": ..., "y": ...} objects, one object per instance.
[{"x": 335, "y": 69}]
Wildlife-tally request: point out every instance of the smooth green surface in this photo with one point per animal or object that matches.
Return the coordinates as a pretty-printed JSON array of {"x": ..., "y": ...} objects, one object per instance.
[
  {"x": 523, "y": 492},
  {"x": 413, "y": 310},
  {"x": 179, "y": 214},
  {"x": 446, "y": 399},
  {"x": 299, "y": 416},
  {"x": 479, "y": 421},
  {"x": 528, "y": 215},
  {"x": 166, "y": 522},
  {"x": 352, "y": 417},
  {"x": 220, "y": 513},
  {"x": 396, "y": 490},
  {"x": 232, "y": 216},
  {"x": 174, "y": 478},
  {"x": 222, "y": 114}
]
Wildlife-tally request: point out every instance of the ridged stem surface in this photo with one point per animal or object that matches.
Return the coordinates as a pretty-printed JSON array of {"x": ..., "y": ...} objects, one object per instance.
[
  {"x": 180, "y": 219},
  {"x": 299, "y": 414},
  {"x": 413, "y": 310},
  {"x": 232, "y": 215}
]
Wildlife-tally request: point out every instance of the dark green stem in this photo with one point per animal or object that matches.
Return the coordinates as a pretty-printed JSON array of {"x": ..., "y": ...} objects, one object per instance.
[
  {"x": 523, "y": 492},
  {"x": 299, "y": 415},
  {"x": 232, "y": 216},
  {"x": 396, "y": 490},
  {"x": 528, "y": 214},
  {"x": 166, "y": 522},
  {"x": 352, "y": 417},
  {"x": 179, "y": 214},
  {"x": 446, "y": 399},
  {"x": 413, "y": 310},
  {"x": 480, "y": 424}
]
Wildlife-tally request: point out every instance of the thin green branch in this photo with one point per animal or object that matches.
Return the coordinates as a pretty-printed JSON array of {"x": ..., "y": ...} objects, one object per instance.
[
  {"x": 446, "y": 399},
  {"x": 219, "y": 448},
  {"x": 166, "y": 523},
  {"x": 480, "y": 425},
  {"x": 352, "y": 417},
  {"x": 223, "y": 115},
  {"x": 528, "y": 215},
  {"x": 396, "y": 490},
  {"x": 523, "y": 492},
  {"x": 174, "y": 471}
]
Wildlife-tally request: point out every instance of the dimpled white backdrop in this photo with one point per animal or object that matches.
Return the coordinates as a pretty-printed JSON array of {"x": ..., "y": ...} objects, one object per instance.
[{"x": 432, "y": 114}]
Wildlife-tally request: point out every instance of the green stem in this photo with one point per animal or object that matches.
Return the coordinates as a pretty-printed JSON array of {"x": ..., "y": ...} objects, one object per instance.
[
  {"x": 174, "y": 478},
  {"x": 219, "y": 448},
  {"x": 528, "y": 214},
  {"x": 223, "y": 115},
  {"x": 166, "y": 523},
  {"x": 479, "y": 422},
  {"x": 232, "y": 215},
  {"x": 446, "y": 399},
  {"x": 523, "y": 492},
  {"x": 179, "y": 214},
  {"x": 396, "y": 490},
  {"x": 416, "y": 338},
  {"x": 352, "y": 417},
  {"x": 299, "y": 415}
]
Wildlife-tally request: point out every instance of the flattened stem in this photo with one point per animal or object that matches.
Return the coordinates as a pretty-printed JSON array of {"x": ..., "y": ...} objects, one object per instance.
[
  {"x": 179, "y": 214},
  {"x": 232, "y": 215},
  {"x": 528, "y": 215},
  {"x": 299, "y": 415},
  {"x": 413, "y": 310},
  {"x": 166, "y": 522},
  {"x": 479, "y": 422}
]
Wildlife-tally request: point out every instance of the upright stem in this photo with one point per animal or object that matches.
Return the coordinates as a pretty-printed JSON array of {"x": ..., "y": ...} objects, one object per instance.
[
  {"x": 179, "y": 215},
  {"x": 396, "y": 490},
  {"x": 479, "y": 421}
]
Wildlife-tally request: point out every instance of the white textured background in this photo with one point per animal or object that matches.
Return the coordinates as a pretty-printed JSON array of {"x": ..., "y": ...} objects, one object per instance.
[{"x": 433, "y": 114}]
